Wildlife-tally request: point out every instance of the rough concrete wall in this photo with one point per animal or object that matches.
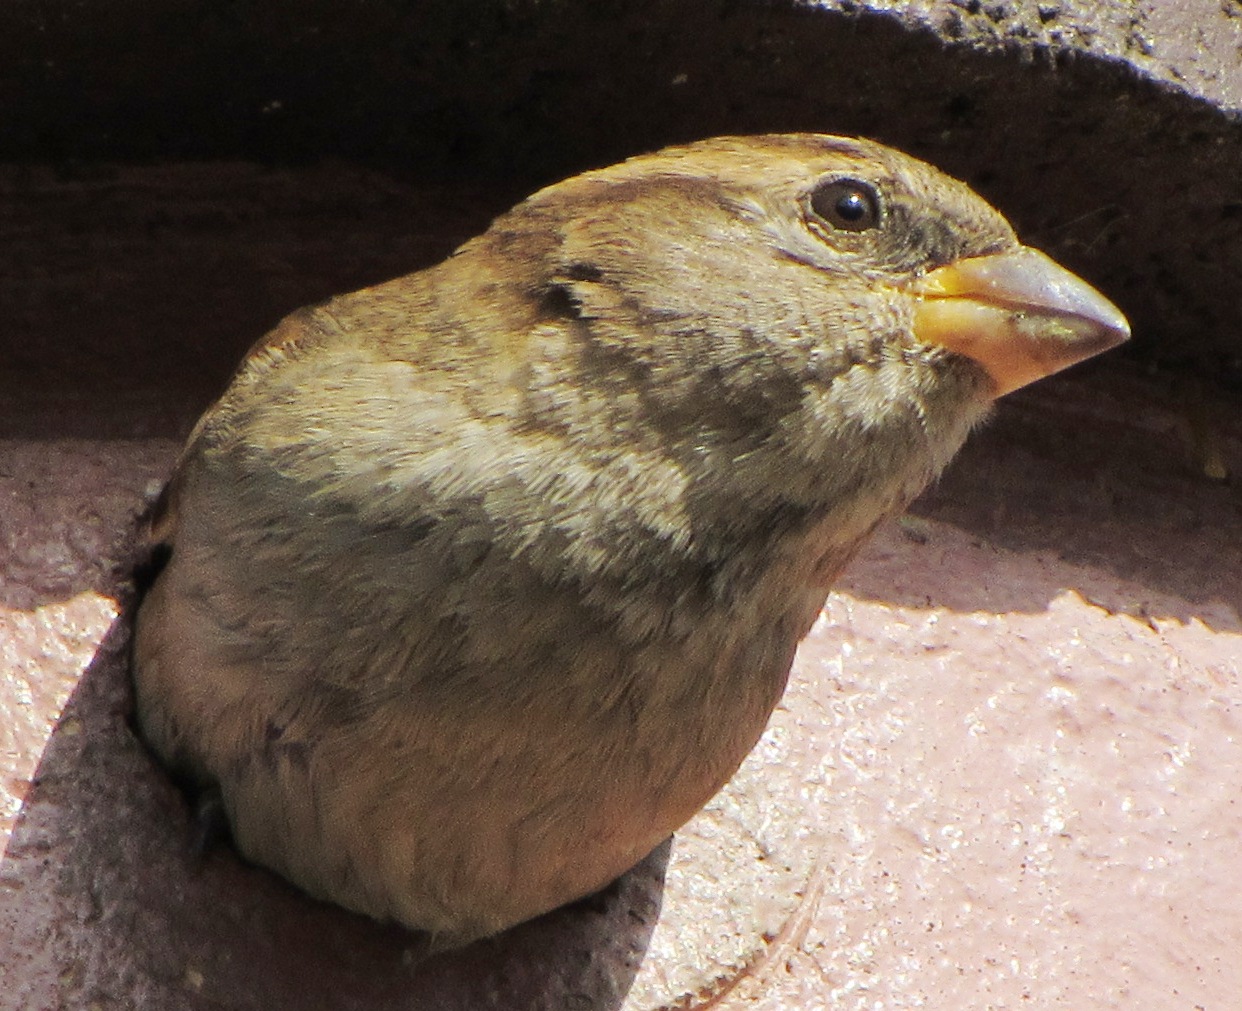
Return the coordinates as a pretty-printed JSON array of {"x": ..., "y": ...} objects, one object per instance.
[
  {"x": 1004, "y": 775},
  {"x": 1057, "y": 830},
  {"x": 1194, "y": 47},
  {"x": 1108, "y": 131}
]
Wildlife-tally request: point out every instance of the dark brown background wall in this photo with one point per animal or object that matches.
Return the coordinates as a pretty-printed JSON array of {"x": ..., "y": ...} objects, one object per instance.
[{"x": 177, "y": 174}]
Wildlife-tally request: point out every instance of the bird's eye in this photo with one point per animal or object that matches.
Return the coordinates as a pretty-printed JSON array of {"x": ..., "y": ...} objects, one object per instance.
[{"x": 847, "y": 204}]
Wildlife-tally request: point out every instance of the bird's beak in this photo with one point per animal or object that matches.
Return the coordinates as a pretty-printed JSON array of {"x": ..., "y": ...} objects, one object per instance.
[{"x": 1018, "y": 314}]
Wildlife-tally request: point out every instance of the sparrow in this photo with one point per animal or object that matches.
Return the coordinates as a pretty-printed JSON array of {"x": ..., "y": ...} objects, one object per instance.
[{"x": 479, "y": 583}]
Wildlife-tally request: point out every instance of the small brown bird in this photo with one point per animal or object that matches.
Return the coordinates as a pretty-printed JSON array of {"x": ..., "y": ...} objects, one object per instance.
[{"x": 483, "y": 581}]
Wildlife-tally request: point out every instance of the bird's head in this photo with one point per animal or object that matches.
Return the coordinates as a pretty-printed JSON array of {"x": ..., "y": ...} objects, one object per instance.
[
  {"x": 848, "y": 306},
  {"x": 839, "y": 245}
]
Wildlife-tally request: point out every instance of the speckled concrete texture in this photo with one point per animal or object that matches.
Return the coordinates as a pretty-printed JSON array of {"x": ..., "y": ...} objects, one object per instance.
[
  {"x": 1189, "y": 46},
  {"x": 1004, "y": 775},
  {"x": 1014, "y": 736}
]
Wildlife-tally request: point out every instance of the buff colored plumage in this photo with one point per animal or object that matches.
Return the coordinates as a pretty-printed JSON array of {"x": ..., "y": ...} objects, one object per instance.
[{"x": 482, "y": 581}]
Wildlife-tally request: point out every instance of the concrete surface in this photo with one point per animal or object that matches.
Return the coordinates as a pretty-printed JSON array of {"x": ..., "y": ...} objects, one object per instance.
[
  {"x": 1004, "y": 776},
  {"x": 1005, "y": 773}
]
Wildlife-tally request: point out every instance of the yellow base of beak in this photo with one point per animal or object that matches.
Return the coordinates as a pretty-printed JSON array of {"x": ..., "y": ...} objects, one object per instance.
[{"x": 1018, "y": 314}]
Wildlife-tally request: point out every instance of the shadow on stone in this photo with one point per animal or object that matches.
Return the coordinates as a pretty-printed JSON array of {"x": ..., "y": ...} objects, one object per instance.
[{"x": 104, "y": 904}]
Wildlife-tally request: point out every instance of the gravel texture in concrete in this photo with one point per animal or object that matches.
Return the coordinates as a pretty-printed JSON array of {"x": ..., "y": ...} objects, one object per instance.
[{"x": 1005, "y": 772}]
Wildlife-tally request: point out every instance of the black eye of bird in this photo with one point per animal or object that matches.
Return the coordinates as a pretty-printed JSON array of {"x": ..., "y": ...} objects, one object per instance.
[{"x": 847, "y": 204}]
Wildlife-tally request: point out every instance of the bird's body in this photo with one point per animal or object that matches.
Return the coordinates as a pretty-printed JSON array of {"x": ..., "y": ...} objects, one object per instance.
[{"x": 484, "y": 580}]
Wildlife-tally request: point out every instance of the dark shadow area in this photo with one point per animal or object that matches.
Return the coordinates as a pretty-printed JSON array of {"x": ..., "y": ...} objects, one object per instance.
[
  {"x": 131, "y": 294},
  {"x": 142, "y": 248},
  {"x": 107, "y": 906}
]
